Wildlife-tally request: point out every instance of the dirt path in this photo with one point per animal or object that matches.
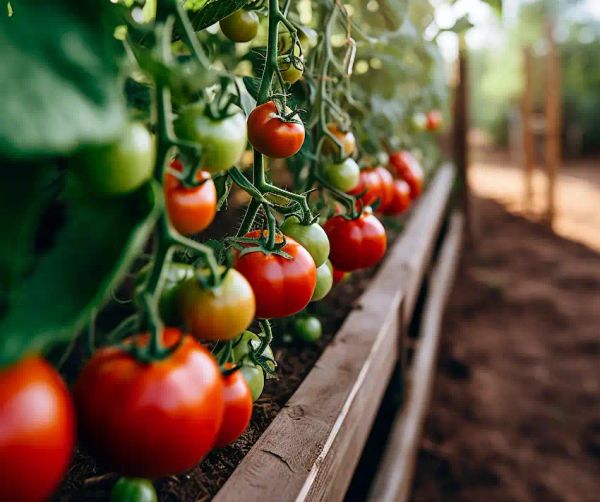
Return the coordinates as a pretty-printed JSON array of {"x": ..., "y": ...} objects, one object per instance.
[{"x": 516, "y": 410}]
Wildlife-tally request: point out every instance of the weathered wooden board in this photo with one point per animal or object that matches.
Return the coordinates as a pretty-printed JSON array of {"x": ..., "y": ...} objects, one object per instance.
[
  {"x": 394, "y": 476},
  {"x": 311, "y": 448}
]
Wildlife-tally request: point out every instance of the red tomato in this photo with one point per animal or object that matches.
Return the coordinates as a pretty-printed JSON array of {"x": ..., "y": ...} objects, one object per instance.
[
  {"x": 151, "y": 419},
  {"x": 387, "y": 187},
  {"x": 409, "y": 169},
  {"x": 434, "y": 120},
  {"x": 370, "y": 184},
  {"x": 37, "y": 430},
  {"x": 238, "y": 408},
  {"x": 282, "y": 287},
  {"x": 401, "y": 199},
  {"x": 271, "y": 135},
  {"x": 190, "y": 210},
  {"x": 338, "y": 275},
  {"x": 355, "y": 244}
]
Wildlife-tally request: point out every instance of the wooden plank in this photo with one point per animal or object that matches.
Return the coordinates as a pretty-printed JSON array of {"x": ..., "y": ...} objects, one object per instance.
[
  {"x": 553, "y": 119},
  {"x": 394, "y": 477},
  {"x": 527, "y": 153},
  {"x": 460, "y": 122},
  {"x": 301, "y": 454}
]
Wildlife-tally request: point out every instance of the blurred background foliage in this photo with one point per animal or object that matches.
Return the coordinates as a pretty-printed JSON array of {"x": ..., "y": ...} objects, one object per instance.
[{"x": 497, "y": 75}]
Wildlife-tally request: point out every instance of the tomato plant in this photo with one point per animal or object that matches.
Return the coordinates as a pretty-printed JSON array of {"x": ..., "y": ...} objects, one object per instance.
[
  {"x": 119, "y": 167},
  {"x": 400, "y": 200},
  {"x": 222, "y": 139},
  {"x": 308, "y": 328},
  {"x": 355, "y": 244},
  {"x": 312, "y": 237},
  {"x": 192, "y": 209},
  {"x": 151, "y": 419},
  {"x": 241, "y": 26},
  {"x": 272, "y": 134},
  {"x": 408, "y": 168},
  {"x": 133, "y": 490},
  {"x": 237, "y": 410},
  {"x": 37, "y": 427},
  {"x": 345, "y": 175},
  {"x": 324, "y": 282},
  {"x": 434, "y": 120},
  {"x": 218, "y": 313},
  {"x": 345, "y": 138},
  {"x": 282, "y": 285}
]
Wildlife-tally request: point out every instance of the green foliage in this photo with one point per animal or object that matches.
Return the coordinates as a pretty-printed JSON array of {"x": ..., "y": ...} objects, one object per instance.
[
  {"x": 87, "y": 255},
  {"x": 59, "y": 77}
]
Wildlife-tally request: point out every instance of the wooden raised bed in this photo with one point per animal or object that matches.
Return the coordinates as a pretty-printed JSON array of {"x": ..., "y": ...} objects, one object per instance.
[{"x": 310, "y": 450}]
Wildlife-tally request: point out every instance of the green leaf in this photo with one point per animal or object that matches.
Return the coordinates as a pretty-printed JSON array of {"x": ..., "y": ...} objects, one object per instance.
[
  {"x": 223, "y": 185},
  {"x": 90, "y": 255},
  {"x": 59, "y": 77},
  {"x": 209, "y": 12},
  {"x": 247, "y": 89},
  {"x": 461, "y": 25}
]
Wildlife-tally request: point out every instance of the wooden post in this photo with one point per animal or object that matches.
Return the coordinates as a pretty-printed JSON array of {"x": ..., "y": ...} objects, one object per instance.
[
  {"x": 527, "y": 153},
  {"x": 461, "y": 128},
  {"x": 553, "y": 120}
]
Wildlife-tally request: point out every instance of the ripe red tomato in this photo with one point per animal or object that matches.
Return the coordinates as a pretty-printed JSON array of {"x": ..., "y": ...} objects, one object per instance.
[
  {"x": 190, "y": 210},
  {"x": 271, "y": 135},
  {"x": 346, "y": 138},
  {"x": 355, "y": 244},
  {"x": 386, "y": 183},
  {"x": 370, "y": 184},
  {"x": 338, "y": 275},
  {"x": 409, "y": 169},
  {"x": 401, "y": 199},
  {"x": 151, "y": 419},
  {"x": 434, "y": 120},
  {"x": 238, "y": 408},
  {"x": 37, "y": 430},
  {"x": 282, "y": 287}
]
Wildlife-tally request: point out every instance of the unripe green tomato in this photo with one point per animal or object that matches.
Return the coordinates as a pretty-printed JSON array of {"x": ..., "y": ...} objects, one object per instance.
[
  {"x": 241, "y": 26},
  {"x": 324, "y": 281},
  {"x": 306, "y": 36},
  {"x": 120, "y": 167},
  {"x": 312, "y": 237},
  {"x": 308, "y": 328},
  {"x": 255, "y": 378},
  {"x": 419, "y": 121},
  {"x": 291, "y": 69},
  {"x": 344, "y": 176},
  {"x": 242, "y": 347},
  {"x": 133, "y": 490},
  {"x": 168, "y": 304},
  {"x": 222, "y": 141}
]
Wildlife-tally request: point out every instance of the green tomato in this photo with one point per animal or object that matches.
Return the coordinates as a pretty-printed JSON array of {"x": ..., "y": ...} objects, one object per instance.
[
  {"x": 241, "y": 348},
  {"x": 306, "y": 36},
  {"x": 241, "y": 26},
  {"x": 133, "y": 490},
  {"x": 344, "y": 176},
  {"x": 419, "y": 121},
  {"x": 120, "y": 167},
  {"x": 308, "y": 328},
  {"x": 168, "y": 303},
  {"x": 324, "y": 281},
  {"x": 222, "y": 141},
  {"x": 291, "y": 69},
  {"x": 312, "y": 237},
  {"x": 255, "y": 378}
]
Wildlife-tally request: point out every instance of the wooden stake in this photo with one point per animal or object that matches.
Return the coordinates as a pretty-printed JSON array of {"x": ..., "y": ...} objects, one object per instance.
[
  {"x": 553, "y": 120},
  {"x": 527, "y": 153}
]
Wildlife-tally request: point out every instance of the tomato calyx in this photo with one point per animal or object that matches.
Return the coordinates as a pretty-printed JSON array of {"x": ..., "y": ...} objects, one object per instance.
[
  {"x": 188, "y": 176},
  {"x": 247, "y": 245}
]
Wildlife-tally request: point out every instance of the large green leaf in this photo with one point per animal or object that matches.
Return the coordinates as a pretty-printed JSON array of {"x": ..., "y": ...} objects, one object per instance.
[
  {"x": 90, "y": 254},
  {"x": 59, "y": 77}
]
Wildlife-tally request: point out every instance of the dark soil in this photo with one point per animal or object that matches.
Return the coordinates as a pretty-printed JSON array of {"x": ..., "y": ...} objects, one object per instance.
[{"x": 516, "y": 408}]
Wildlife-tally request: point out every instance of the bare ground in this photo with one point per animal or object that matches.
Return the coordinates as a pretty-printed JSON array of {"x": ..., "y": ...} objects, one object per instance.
[{"x": 516, "y": 408}]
